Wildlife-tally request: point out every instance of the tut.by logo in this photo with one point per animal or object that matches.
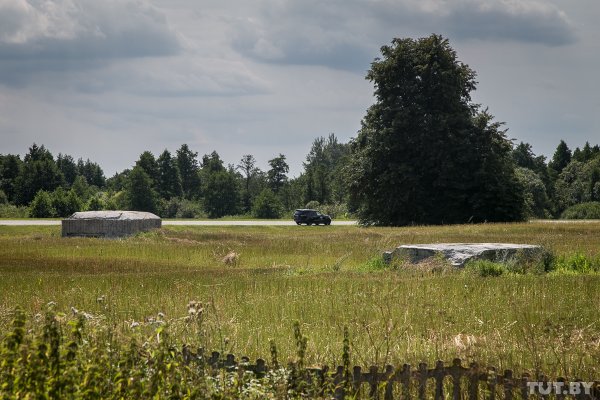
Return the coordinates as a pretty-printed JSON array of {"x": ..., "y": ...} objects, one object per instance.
[{"x": 564, "y": 388}]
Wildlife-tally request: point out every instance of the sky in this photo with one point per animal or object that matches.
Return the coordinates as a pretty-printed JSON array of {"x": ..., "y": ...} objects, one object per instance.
[{"x": 107, "y": 80}]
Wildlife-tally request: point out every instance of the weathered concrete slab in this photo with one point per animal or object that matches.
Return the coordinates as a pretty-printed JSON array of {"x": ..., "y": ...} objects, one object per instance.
[
  {"x": 109, "y": 223},
  {"x": 459, "y": 253}
]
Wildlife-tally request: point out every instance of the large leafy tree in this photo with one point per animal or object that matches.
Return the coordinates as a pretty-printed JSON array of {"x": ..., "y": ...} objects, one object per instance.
[
  {"x": 425, "y": 153},
  {"x": 139, "y": 194},
  {"x": 219, "y": 186}
]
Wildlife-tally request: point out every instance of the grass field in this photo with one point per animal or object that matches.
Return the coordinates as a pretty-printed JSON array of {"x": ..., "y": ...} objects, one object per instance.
[{"x": 324, "y": 277}]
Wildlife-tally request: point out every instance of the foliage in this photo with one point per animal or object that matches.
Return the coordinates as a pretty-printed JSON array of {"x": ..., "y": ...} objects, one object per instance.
[
  {"x": 96, "y": 203},
  {"x": 267, "y": 205},
  {"x": 576, "y": 263},
  {"x": 41, "y": 206},
  {"x": 65, "y": 203},
  {"x": 221, "y": 194},
  {"x": 537, "y": 203},
  {"x": 323, "y": 170},
  {"x": 277, "y": 174},
  {"x": 39, "y": 172},
  {"x": 289, "y": 273},
  {"x": 12, "y": 211},
  {"x": 425, "y": 154},
  {"x": 180, "y": 208},
  {"x": 187, "y": 162},
  {"x": 578, "y": 183},
  {"x": 10, "y": 168},
  {"x": 486, "y": 268},
  {"x": 92, "y": 173},
  {"x": 590, "y": 210},
  {"x": 168, "y": 180},
  {"x": 560, "y": 159},
  {"x": 254, "y": 180},
  {"x": 139, "y": 194}
]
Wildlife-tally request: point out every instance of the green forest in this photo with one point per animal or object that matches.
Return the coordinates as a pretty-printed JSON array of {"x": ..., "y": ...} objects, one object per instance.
[
  {"x": 183, "y": 185},
  {"x": 425, "y": 154}
]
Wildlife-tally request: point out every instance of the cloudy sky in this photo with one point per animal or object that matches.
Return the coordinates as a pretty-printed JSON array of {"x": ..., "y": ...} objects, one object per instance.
[{"x": 109, "y": 79}]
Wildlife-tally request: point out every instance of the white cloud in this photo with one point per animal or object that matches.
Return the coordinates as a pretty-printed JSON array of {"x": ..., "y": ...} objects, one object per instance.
[{"x": 67, "y": 30}]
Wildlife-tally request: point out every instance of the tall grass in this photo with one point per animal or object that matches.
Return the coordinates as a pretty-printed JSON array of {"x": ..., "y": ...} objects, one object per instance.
[{"x": 316, "y": 276}]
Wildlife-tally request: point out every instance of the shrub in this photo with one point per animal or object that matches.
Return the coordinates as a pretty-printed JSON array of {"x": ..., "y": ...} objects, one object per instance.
[
  {"x": 189, "y": 209},
  {"x": 335, "y": 210},
  {"x": 590, "y": 210},
  {"x": 65, "y": 203},
  {"x": 486, "y": 268},
  {"x": 313, "y": 204},
  {"x": 41, "y": 206},
  {"x": 12, "y": 211},
  {"x": 96, "y": 203},
  {"x": 267, "y": 205},
  {"x": 376, "y": 263},
  {"x": 577, "y": 263}
]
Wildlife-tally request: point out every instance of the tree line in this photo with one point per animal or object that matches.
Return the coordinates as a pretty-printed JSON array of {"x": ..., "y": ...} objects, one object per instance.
[
  {"x": 183, "y": 185},
  {"x": 425, "y": 154},
  {"x": 172, "y": 185}
]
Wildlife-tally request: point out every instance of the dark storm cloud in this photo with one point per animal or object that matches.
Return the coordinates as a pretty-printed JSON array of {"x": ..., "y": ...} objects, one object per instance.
[{"x": 346, "y": 34}]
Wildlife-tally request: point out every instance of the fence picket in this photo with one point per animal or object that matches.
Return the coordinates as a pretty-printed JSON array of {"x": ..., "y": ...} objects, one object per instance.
[{"x": 342, "y": 383}]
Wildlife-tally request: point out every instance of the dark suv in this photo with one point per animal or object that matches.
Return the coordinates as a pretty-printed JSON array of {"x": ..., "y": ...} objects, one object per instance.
[{"x": 309, "y": 217}]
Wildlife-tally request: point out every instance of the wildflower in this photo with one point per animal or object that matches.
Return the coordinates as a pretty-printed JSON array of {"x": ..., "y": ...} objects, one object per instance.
[
  {"x": 74, "y": 311},
  {"x": 134, "y": 324}
]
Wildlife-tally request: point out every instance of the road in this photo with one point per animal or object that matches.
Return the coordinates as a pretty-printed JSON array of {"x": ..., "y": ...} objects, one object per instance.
[{"x": 41, "y": 222}]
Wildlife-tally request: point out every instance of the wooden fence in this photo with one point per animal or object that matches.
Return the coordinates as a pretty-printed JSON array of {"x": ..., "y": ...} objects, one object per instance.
[{"x": 441, "y": 382}]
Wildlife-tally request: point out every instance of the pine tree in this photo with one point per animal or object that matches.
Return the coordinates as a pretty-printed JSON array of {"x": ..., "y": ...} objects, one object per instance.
[{"x": 168, "y": 183}]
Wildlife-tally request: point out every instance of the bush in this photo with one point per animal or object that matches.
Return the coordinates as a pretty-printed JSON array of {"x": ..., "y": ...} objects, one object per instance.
[
  {"x": 41, "y": 206},
  {"x": 12, "y": 211},
  {"x": 335, "y": 210},
  {"x": 313, "y": 204},
  {"x": 180, "y": 208},
  {"x": 486, "y": 268},
  {"x": 267, "y": 205},
  {"x": 65, "y": 203},
  {"x": 190, "y": 209},
  {"x": 577, "y": 263},
  {"x": 590, "y": 210},
  {"x": 95, "y": 204}
]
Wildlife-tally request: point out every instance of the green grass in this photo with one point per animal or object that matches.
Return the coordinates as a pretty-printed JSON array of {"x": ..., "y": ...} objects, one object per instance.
[{"x": 326, "y": 278}]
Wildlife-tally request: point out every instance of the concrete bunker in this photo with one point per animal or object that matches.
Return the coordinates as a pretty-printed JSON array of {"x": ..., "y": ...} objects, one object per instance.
[{"x": 110, "y": 224}]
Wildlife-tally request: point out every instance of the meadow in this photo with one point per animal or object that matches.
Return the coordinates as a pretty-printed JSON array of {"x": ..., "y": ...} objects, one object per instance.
[{"x": 326, "y": 278}]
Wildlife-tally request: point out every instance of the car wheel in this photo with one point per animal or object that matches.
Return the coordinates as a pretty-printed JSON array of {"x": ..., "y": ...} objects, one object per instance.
[{"x": 328, "y": 223}]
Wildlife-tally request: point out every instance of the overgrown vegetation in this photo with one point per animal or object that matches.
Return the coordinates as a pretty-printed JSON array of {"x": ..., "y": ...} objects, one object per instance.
[{"x": 527, "y": 322}]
